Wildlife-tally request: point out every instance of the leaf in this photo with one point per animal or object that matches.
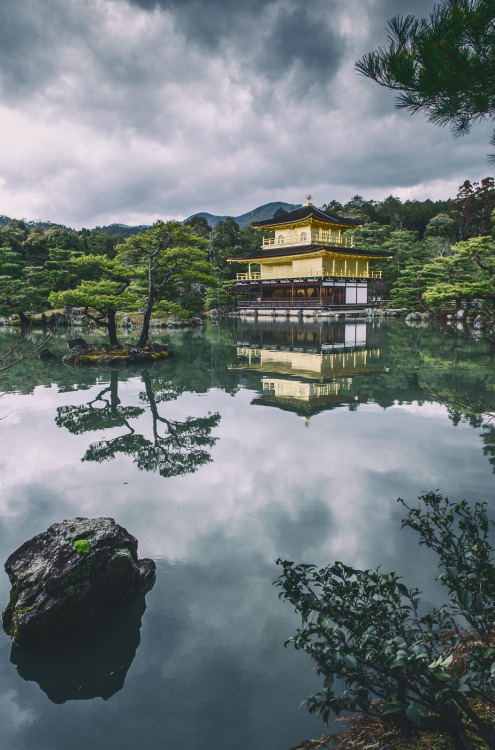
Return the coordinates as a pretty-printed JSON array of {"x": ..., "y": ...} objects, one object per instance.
[
  {"x": 448, "y": 661},
  {"x": 421, "y": 656},
  {"x": 465, "y": 598},
  {"x": 350, "y": 660},
  {"x": 413, "y": 712},
  {"x": 392, "y": 708}
]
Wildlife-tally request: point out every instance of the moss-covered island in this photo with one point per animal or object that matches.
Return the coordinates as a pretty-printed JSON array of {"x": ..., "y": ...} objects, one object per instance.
[{"x": 82, "y": 354}]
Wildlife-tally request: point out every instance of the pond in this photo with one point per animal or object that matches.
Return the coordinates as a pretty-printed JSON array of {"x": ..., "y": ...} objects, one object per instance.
[{"x": 253, "y": 442}]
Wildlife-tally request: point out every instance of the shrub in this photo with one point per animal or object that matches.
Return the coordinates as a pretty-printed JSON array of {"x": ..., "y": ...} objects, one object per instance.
[{"x": 364, "y": 628}]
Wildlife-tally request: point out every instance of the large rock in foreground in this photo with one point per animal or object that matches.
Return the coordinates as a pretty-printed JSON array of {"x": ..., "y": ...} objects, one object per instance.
[{"x": 69, "y": 574}]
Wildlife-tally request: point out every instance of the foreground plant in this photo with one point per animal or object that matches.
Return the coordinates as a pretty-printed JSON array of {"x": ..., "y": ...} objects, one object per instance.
[{"x": 363, "y": 628}]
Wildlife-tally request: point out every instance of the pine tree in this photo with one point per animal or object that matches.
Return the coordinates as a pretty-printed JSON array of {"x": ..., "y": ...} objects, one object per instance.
[{"x": 443, "y": 65}]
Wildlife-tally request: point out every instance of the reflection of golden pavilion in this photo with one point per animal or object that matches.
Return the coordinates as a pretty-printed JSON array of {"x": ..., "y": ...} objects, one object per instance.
[
  {"x": 310, "y": 379},
  {"x": 305, "y": 392},
  {"x": 312, "y": 382},
  {"x": 306, "y": 364}
]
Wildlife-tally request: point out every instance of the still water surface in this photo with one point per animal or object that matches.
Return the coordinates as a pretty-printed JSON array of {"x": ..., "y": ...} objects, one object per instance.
[{"x": 253, "y": 442}]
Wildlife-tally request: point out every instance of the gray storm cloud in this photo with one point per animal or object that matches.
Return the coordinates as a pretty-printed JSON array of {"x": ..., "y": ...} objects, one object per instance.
[{"x": 118, "y": 110}]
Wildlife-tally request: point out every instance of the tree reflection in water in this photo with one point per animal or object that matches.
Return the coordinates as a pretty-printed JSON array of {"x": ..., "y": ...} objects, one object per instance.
[
  {"x": 177, "y": 447},
  {"x": 488, "y": 438}
]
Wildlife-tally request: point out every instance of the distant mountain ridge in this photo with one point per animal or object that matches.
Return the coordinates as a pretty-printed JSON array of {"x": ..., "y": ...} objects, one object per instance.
[
  {"x": 257, "y": 214},
  {"x": 4, "y": 220}
]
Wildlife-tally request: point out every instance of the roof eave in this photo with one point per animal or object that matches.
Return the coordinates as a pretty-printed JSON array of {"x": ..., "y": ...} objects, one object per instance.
[{"x": 265, "y": 254}]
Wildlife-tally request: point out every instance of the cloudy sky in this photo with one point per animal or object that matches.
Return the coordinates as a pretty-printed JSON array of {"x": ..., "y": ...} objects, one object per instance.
[{"x": 132, "y": 110}]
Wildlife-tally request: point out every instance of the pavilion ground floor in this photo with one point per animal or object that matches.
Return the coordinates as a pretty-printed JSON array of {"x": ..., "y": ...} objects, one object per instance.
[{"x": 320, "y": 293}]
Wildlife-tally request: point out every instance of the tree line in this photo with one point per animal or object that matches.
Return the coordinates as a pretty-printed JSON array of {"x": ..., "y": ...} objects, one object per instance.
[
  {"x": 440, "y": 251},
  {"x": 451, "y": 261}
]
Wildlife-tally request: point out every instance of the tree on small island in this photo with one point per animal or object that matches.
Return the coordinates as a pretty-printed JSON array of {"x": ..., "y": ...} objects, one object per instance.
[
  {"x": 168, "y": 255},
  {"x": 104, "y": 287}
]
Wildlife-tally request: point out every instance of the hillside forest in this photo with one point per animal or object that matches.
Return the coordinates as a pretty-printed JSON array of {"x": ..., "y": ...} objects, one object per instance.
[{"x": 441, "y": 253}]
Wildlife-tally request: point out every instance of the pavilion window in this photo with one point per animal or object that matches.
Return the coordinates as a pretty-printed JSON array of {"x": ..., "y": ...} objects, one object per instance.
[{"x": 281, "y": 239}]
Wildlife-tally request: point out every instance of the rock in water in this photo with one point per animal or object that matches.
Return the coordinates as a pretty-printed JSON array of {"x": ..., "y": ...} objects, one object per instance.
[{"x": 69, "y": 574}]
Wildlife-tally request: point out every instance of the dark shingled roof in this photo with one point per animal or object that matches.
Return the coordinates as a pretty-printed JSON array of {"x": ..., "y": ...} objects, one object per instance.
[
  {"x": 304, "y": 213},
  {"x": 277, "y": 251}
]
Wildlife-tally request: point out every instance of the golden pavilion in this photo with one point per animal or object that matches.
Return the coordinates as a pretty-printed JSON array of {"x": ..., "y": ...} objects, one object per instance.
[{"x": 305, "y": 261}]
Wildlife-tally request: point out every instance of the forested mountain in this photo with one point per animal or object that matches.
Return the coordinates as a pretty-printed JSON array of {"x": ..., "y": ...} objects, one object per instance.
[
  {"x": 257, "y": 214},
  {"x": 125, "y": 230}
]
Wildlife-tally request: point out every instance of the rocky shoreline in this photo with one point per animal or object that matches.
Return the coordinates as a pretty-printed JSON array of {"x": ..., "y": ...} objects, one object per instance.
[{"x": 75, "y": 317}]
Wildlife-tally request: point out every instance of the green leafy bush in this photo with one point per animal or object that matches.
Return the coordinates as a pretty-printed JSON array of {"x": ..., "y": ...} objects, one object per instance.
[{"x": 364, "y": 628}]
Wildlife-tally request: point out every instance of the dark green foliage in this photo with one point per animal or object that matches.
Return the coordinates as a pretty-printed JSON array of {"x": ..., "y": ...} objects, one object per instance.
[
  {"x": 17, "y": 293},
  {"x": 39, "y": 259},
  {"x": 66, "y": 239},
  {"x": 402, "y": 246},
  {"x": 200, "y": 226},
  {"x": 443, "y": 66},
  {"x": 333, "y": 207},
  {"x": 99, "y": 242},
  {"x": 34, "y": 249},
  {"x": 228, "y": 239},
  {"x": 441, "y": 225},
  {"x": 217, "y": 297},
  {"x": 13, "y": 235},
  {"x": 469, "y": 273},
  {"x": 391, "y": 212},
  {"x": 58, "y": 273},
  {"x": 225, "y": 240},
  {"x": 103, "y": 285},
  {"x": 364, "y": 627},
  {"x": 411, "y": 284},
  {"x": 167, "y": 257},
  {"x": 474, "y": 205}
]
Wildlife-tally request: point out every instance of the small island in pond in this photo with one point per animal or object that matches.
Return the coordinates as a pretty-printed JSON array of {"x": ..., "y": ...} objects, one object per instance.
[{"x": 83, "y": 354}]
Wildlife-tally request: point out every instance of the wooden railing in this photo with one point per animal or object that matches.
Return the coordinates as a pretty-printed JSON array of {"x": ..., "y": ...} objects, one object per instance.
[
  {"x": 311, "y": 273},
  {"x": 306, "y": 238},
  {"x": 253, "y": 276},
  {"x": 301, "y": 302}
]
